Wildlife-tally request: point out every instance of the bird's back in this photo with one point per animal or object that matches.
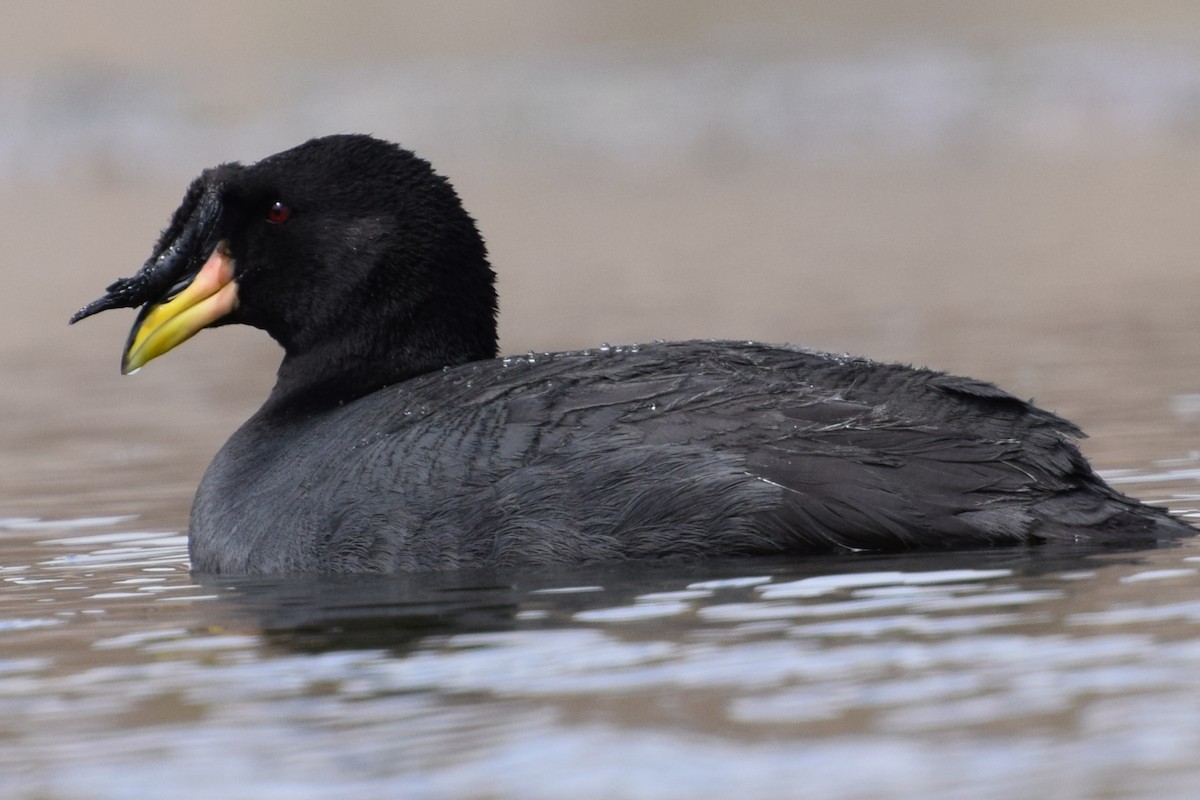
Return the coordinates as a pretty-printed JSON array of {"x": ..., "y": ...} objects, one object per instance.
[{"x": 671, "y": 449}]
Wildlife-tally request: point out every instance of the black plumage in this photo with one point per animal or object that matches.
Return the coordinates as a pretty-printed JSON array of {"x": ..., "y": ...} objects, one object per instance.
[{"x": 394, "y": 440}]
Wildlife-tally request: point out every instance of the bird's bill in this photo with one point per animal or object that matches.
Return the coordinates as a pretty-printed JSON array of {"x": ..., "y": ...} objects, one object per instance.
[{"x": 161, "y": 327}]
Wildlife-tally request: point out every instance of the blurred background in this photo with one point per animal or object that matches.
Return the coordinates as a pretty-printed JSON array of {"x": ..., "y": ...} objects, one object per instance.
[{"x": 1003, "y": 190}]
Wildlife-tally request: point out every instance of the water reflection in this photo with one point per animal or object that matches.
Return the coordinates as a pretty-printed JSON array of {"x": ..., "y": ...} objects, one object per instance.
[{"x": 344, "y": 612}]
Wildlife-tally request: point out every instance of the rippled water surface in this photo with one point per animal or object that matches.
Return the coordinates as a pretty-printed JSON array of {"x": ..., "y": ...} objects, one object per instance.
[
  {"x": 1000, "y": 673},
  {"x": 1003, "y": 192}
]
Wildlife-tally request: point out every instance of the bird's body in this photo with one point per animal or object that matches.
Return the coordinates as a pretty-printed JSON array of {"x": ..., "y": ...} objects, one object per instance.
[
  {"x": 395, "y": 441},
  {"x": 682, "y": 449}
]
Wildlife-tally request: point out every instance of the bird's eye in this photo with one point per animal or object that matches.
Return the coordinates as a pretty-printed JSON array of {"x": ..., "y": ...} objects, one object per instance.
[{"x": 278, "y": 212}]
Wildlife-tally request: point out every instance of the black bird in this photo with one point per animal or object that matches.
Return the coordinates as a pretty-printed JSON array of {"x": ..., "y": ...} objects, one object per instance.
[{"x": 395, "y": 440}]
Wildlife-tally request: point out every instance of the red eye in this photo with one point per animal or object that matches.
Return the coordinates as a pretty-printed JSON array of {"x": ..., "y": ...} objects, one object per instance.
[{"x": 278, "y": 212}]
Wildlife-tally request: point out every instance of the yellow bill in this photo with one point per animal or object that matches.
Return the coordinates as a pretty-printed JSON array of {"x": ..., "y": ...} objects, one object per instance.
[{"x": 210, "y": 296}]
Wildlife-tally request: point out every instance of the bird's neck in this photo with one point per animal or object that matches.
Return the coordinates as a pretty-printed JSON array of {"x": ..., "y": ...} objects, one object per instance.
[{"x": 336, "y": 371}]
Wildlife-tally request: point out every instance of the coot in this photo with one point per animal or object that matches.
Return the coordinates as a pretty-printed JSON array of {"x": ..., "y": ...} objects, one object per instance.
[{"x": 395, "y": 440}]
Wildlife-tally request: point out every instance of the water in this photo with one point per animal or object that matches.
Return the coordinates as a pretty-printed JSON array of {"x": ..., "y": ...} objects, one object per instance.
[
  {"x": 1010, "y": 196},
  {"x": 1003, "y": 673}
]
